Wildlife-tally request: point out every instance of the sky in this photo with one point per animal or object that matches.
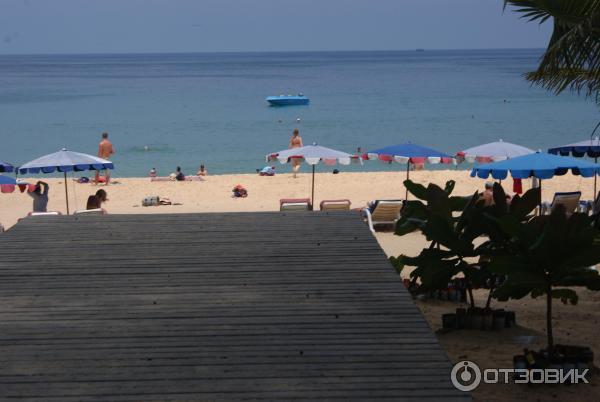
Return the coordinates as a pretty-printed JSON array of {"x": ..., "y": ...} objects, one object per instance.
[{"x": 141, "y": 26}]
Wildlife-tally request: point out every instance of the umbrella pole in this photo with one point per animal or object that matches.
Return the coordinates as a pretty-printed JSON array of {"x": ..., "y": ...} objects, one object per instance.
[
  {"x": 595, "y": 181},
  {"x": 66, "y": 193},
  {"x": 312, "y": 203},
  {"x": 407, "y": 178},
  {"x": 541, "y": 198}
]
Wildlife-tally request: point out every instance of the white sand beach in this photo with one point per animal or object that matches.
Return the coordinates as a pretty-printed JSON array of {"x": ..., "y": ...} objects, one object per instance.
[{"x": 214, "y": 194}]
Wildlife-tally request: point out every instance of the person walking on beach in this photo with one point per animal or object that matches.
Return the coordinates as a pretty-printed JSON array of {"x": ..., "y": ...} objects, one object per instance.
[
  {"x": 105, "y": 150},
  {"x": 40, "y": 197},
  {"x": 296, "y": 142}
]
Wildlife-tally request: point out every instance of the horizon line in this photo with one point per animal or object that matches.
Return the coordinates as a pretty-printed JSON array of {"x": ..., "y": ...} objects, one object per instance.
[{"x": 266, "y": 51}]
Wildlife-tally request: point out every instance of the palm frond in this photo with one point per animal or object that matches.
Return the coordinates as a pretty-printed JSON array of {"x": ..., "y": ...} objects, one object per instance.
[{"x": 572, "y": 59}]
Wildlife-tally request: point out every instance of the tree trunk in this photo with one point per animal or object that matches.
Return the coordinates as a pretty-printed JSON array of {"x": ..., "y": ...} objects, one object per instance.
[
  {"x": 549, "y": 319},
  {"x": 470, "y": 290},
  {"x": 489, "y": 299}
]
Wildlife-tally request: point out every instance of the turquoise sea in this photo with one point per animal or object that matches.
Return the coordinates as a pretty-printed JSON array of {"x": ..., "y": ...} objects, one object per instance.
[{"x": 164, "y": 110}]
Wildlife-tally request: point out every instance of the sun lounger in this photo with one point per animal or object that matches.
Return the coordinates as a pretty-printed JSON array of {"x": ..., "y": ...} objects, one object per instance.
[
  {"x": 383, "y": 212},
  {"x": 49, "y": 213},
  {"x": 335, "y": 205},
  {"x": 592, "y": 207},
  {"x": 295, "y": 204},
  {"x": 97, "y": 211},
  {"x": 186, "y": 178},
  {"x": 570, "y": 201}
]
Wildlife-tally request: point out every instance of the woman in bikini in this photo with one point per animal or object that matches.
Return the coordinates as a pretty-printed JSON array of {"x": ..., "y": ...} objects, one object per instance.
[{"x": 296, "y": 142}]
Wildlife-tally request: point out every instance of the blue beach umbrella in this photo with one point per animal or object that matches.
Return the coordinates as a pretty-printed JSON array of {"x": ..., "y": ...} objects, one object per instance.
[
  {"x": 8, "y": 184},
  {"x": 409, "y": 153},
  {"x": 539, "y": 165},
  {"x": 7, "y": 180},
  {"x": 6, "y": 167},
  {"x": 65, "y": 161},
  {"x": 590, "y": 147}
]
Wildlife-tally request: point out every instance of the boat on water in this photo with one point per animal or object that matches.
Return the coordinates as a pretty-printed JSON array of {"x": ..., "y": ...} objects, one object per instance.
[{"x": 288, "y": 100}]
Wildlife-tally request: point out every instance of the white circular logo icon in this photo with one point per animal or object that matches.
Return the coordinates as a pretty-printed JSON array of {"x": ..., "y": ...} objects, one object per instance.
[{"x": 465, "y": 376}]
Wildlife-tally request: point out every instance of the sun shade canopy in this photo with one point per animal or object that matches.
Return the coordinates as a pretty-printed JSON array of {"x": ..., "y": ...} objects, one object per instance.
[{"x": 539, "y": 165}]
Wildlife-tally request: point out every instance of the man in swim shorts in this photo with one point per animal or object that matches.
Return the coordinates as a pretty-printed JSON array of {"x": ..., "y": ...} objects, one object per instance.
[{"x": 105, "y": 150}]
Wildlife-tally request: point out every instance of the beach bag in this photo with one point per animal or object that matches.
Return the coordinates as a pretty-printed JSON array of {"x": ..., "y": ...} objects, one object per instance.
[{"x": 150, "y": 201}]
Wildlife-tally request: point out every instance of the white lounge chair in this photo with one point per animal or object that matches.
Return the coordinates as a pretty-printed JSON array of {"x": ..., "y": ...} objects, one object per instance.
[
  {"x": 335, "y": 205},
  {"x": 383, "y": 212},
  {"x": 295, "y": 204},
  {"x": 49, "y": 213},
  {"x": 592, "y": 206},
  {"x": 570, "y": 201},
  {"x": 97, "y": 211}
]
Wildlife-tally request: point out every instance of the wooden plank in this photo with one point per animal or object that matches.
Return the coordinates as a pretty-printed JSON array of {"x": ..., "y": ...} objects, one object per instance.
[{"x": 261, "y": 306}]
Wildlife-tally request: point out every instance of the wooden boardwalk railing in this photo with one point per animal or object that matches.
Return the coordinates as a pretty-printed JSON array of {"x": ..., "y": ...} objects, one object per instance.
[{"x": 201, "y": 307}]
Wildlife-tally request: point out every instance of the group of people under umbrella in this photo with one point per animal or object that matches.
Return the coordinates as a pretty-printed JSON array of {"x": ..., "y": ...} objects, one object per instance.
[
  {"x": 497, "y": 159},
  {"x": 63, "y": 161}
]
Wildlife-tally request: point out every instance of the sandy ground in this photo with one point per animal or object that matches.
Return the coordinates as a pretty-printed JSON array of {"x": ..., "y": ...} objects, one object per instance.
[
  {"x": 214, "y": 194},
  {"x": 577, "y": 325}
]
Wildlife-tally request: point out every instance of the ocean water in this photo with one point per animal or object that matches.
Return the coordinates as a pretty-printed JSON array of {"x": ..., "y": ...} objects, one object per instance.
[{"x": 185, "y": 109}]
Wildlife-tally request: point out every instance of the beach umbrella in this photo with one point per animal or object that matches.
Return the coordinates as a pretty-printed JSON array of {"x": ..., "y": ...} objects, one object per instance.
[
  {"x": 539, "y": 165},
  {"x": 6, "y": 167},
  {"x": 409, "y": 153},
  {"x": 65, "y": 161},
  {"x": 313, "y": 154},
  {"x": 493, "y": 152},
  {"x": 8, "y": 184},
  {"x": 589, "y": 147}
]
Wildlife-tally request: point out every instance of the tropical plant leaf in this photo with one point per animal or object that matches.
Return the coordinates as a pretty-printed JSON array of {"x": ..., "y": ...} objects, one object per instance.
[
  {"x": 418, "y": 190},
  {"x": 565, "y": 295}
]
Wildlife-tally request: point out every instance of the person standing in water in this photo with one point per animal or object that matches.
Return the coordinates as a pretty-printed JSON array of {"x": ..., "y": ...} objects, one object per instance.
[
  {"x": 105, "y": 150},
  {"x": 296, "y": 142}
]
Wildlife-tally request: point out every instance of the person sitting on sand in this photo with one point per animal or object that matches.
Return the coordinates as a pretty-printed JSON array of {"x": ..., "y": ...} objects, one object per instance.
[
  {"x": 40, "y": 197},
  {"x": 267, "y": 171},
  {"x": 296, "y": 142},
  {"x": 95, "y": 201},
  {"x": 179, "y": 176},
  {"x": 488, "y": 195},
  {"x": 202, "y": 171},
  {"x": 153, "y": 172}
]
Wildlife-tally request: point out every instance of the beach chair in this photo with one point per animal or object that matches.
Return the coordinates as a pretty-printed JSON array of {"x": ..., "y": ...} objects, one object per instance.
[
  {"x": 335, "y": 205},
  {"x": 97, "y": 211},
  {"x": 295, "y": 204},
  {"x": 383, "y": 212},
  {"x": 49, "y": 213},
  {"x": 592, "y": 207},
  {"x": 570, "y": 201}
]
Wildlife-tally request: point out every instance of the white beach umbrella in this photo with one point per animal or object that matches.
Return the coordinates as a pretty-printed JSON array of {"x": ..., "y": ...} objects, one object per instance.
[
  {"x": 493, "y": 152},
  {"x": 313, "y": 154}
]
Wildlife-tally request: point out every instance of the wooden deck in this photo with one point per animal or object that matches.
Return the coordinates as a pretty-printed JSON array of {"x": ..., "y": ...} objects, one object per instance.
[{"x": 259, "y": 306}]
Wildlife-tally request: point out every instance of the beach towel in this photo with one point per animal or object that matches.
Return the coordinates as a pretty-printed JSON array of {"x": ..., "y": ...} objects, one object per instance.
[
  {"x": 186, "y": 178},
  {"x": 517, "y": 186}
]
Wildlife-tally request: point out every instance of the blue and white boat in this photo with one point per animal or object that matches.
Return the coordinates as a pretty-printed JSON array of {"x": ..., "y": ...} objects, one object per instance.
[{"x": 287, "y": 100}]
